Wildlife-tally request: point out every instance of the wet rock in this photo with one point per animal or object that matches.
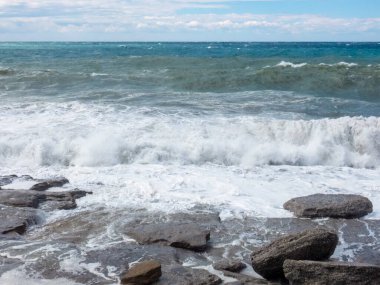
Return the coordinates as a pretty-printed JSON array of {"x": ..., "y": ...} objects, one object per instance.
[
  {"x": 7, "y": 179},
  {"x": 229, "y": 265},
  {"x": 47, "y": 200},
  {"x": 314, "y": 244},
  {"x": 188, "y": 236},
  {"x": 19, "y": 198},
  {"x": 180, "y": 275},
  {"x": 16, "y": 219},
  {"x": 7, "y": 264},
  {"x": 331, "y": 273},
  {"x": 49, "y": 183},
  {"x": 330, "y": 205},
  {"x": 146, "y": 272},
  {"x": 245, "y": 279}
]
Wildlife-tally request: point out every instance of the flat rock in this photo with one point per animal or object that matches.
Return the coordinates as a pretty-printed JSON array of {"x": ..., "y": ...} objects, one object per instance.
[
  {"x": 49, "y": 183},
  {"x": 33, "y": 199},
  {"x": 229, "y": 265},
  {"x": 180, "y": 275},
  {"x": 143, "y": 273},
  {"x": 331, "y": 273},
  {"x": 16, "y": 219},
  {"x": 188, "y": 236},
  {"x": 330, "y": 205},
  {"x": 314, "y": 244}
]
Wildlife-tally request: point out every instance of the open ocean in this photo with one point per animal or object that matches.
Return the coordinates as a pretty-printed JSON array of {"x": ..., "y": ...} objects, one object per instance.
[{"x": 168, "y": 127}]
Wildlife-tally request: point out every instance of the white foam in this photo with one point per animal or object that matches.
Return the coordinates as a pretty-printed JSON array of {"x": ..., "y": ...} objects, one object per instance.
[
  {"x": 85, "y": 135},
  {"x": 290, "y": 64}
]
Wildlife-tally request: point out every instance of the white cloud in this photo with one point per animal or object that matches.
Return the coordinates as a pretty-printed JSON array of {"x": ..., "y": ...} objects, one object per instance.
[{"x": 126, "y": 16}]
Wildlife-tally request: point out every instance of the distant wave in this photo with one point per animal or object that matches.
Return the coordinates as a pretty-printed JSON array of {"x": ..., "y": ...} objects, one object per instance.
[
  {"x": 342, "y": 79},
  {"x": 90, "y": 137}
]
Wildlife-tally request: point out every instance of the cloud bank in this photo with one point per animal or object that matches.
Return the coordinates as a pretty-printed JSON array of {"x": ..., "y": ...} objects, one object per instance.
[{"x": 166, "y": 20}]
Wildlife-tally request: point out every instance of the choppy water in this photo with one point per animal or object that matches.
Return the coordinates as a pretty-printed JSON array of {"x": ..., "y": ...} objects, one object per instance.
[{"x": 241, "y": 127}]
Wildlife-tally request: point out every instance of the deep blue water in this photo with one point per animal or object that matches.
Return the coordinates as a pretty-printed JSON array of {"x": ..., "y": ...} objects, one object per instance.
[{"x": 312, "y": 80}]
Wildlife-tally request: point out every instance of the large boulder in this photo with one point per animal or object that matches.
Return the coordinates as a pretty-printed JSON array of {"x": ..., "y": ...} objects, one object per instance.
[
  {"x": 330, "y": 205},
  {"x": 314, "y": 244},
  {"x": 188, "y": 236},
  {"x": 16, "y": 220},
  {"x": 331, "y": 273},
  {"x": 142, "y": 273}
]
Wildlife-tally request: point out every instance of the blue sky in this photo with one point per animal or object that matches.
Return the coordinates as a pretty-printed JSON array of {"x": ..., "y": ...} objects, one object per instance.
[{"x": 196, "y": 20}]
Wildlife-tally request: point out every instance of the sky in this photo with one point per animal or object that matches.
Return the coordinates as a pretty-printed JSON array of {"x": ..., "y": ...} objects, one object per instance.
[{"x": 189, "y": 20}]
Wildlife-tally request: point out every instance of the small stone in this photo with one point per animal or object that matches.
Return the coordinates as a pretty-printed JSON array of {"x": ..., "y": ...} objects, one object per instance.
[
  {"x": 142, "y": 273},
  {"x": 331, "y": 273},
  {"x": 330, "y": 205},
  {"x": 229, "y": 265},
  {"x": 314, "y": 244}
]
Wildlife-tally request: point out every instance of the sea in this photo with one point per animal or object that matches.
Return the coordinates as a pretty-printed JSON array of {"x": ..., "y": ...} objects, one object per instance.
[{"x": 240, "y": 127}]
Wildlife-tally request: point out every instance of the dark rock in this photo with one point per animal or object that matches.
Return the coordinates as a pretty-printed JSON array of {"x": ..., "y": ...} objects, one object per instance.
[
  {"x": 229, "y": 265},
  {"x": 315, "y": 244},
  {"x": 7, "y": 179},
  {"x": 180, "y": 275},
  {"x": 16, "y": 219},
  {"x": 188, "y": 236},
  {"x": 17, "y": 198},
  {"x": 330, "y": 205},
  {"x": 7, "y": 264},
  {"x": 49, "y": 183},
  {"x": 245, "y": 279},
  {"x": 48, "y": 200},
  {"x": 142, "y": 273},
  {"x": 331, "y": 273}
]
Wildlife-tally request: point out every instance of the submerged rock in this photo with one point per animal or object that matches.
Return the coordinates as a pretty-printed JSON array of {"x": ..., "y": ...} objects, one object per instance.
[
  {"x": 180, "y": 275},
  {"x": 16, "y": 219},
  {"x": 331, "y": 273},
  {"x": 330, "y": 205},
  {"x": 245, "y": 279},
  {"x": 314, "y": 244},
  {"x": 188, "y": 236},
  {"x": 142, "y": 273},
  {"x": 229, "y": 265},
  {"x": 49, "y": 183}
]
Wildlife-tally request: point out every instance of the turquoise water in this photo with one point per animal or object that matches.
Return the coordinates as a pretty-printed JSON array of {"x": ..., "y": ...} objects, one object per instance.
[{"x": 309, "y": 80}]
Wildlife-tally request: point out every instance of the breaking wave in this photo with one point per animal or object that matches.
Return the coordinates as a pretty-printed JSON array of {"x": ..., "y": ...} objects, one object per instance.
[{"x": 93, "y": 137}]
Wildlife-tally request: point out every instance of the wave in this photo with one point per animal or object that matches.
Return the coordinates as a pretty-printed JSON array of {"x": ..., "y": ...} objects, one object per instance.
[
  {"x": 341, "y": 79},
  {"x": 93, "y": 138}
]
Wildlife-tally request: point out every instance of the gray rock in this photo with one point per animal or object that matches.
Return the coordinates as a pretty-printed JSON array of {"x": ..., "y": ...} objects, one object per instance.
[
  {"x": 180, "y": 275},
  {"x": 314, "y": 244},
  {"x": 34, "y": 199},
  {"x": 330, "y": 205},
  {"x": 143, "y": 273},
  {"x": 229, "y": 265},
  {"x": 16, "y": 219},
  {"x": 188, "y": 236},
  {"x": 331, "y": 273},
  {"x": 7, "y": 179},
  {"x": 7, "y": 264},
  {"x": 49, "y": 183}
]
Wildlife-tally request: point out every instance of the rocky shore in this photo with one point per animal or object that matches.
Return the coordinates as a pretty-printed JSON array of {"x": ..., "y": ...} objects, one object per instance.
[{"x": 328, "y": 242}]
